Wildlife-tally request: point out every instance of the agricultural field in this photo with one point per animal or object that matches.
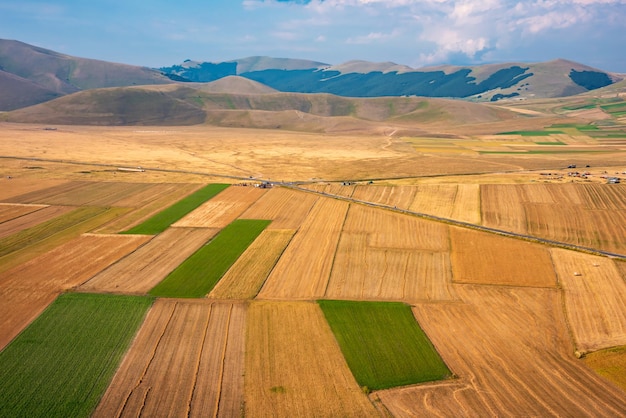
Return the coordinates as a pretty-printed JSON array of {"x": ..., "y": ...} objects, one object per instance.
[
  {"x": 301, "y": 294},
  {"x": 61, "y": 355}
]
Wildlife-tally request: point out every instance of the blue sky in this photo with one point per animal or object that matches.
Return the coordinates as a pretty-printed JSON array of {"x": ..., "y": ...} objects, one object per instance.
[{"x": 417, "y": 33}]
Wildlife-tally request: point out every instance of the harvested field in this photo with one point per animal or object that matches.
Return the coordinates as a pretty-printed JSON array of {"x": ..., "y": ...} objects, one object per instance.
[
  {"x": 35, "y": 216},
  {"x": 23, "y": 186},
  {"x": 199, "y": 273},
  {"x": 610, "y": 363},
  {"x": 168, "y": 216},
  {"x": 31, "y": 242},
  {"x": 511, "y": 353},
  {"x": 501, "y": 208},
  {"x": 304, "y": 269},
  {"x": 246, "y": 277},
  {"x": 286, "y": 208},
  {"x": 454, "y": 201},
  {"x": 483, "y": 258},
  {"x": 595, "y": 297},
  {"x": 61, "y": 355},
  {"x": 222, "y": 209},
  {"x": 10, "y": 211},
  {"x": 147, "y": 204},
  {"x": 147, "y": 266},
  {"x": 26, "y": 289},
  {"x": 400, "y": 196},
  {"x": 294, "y": 366},
  {"x": 187, "y": 359}
]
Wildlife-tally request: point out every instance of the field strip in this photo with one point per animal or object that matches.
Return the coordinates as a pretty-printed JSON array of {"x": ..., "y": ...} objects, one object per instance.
[
  {"x": 285, "y": 207},
  {"x": 222, "y": 209},
  {"x": 246, "y": 277},
  {"x": 61, "y": 354},
  {"x": 199, "y": 273},
  {"x": 43, "y": 195},
  {"x": 26, "y": 289},
  {"x": 303, "y": 271},
  {"x": 482, "y": 258},
  {"x": 9, "y": 211},
  {"x": 294, "y": 366},
  {"x": 32, "y": 218},
  {"x": 21, "y": 186},
  {"x": 595, "y": 299},
  {"x": 187, "y": 359},
  {"x": 510, "y": 350},
  {"x": 383, "y": 344},
  {"x": 39, "y": 239},
  {"x": 143, "y": 269},
  {"x": 164, "y": 219}
]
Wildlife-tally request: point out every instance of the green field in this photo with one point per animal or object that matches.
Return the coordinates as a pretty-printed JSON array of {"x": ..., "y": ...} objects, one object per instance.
[
  {"x": 63, "y": 362},
  {"x": 162, "y": 220},
  {"x": 383, "y": 344},
  {"x": 550, "y": 143},
  {"x": 197, "y": 275}
]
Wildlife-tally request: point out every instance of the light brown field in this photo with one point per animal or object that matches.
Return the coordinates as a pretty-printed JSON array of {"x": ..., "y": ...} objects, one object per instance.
[
  {"x": 370, "y": 265},
  {"x": 10, "y": 211},
  {"x": 13, "y": 187},
  {"x": 187, "y": 359},
  {"x": 501, "y": 208},
  {"x": 147, "y": 266},
  {"x": 610, "y": 363},
  {"x": 286, "y": 208},
  {"x": 483, "y": 258},
  {"x": 246, "y": 277},
  {"x": 294, "y": 366},
  {"x": 305, "y": 277},
  {"x": 595, "y": 297},
  {"x": 400, "y": 196},
  {"x": 222, "y": 209},
  {"x": 35, "y": 215},
  {"x": 511, "y": 353},
  {"x": 28, "y": 288}
]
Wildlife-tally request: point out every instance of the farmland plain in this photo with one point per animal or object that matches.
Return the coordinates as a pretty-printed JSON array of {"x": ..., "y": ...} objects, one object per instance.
[{"x": 352, "y": 220}]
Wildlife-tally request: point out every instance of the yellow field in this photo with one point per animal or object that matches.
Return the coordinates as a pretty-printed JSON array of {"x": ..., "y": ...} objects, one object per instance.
[
  {"x": 294, "y": 366},
  {"x": 286, "y": 208},
  {"x": 246, "y": 277},
  {"x": 595, "y": 297},
  {"x": 298, "y": 277}
]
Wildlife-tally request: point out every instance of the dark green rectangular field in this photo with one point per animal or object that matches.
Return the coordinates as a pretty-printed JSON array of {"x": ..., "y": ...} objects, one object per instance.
[
  {"x": 197, "y": 275},
  {"x": 62, "y": 363},
  {"x": 383, "y": 344},
  {"x": 162, "y": 220}
]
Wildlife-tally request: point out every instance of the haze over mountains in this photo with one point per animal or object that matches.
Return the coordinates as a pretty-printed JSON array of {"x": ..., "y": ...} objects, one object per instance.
[{"x": 43, "y": 86}]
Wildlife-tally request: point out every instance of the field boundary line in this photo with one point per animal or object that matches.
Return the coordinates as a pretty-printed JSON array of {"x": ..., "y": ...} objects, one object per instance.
[
  {"x": 332, "y": 265},
  {"x": 467, "y": 225}
]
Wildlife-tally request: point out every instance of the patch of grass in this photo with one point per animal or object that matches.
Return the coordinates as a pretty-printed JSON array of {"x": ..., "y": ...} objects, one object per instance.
[
  {"x": 383, "y": 344},
  {"x": 197, "y": 275},
  {"x": 531, "y": 133},
  {"x": 579, "y": 107},
  {"x": 162, "y": 220},
  {"x": 610, "y": 363},
  {"x": 530, "y": 152},
  {"x": 63, "y": 362},
  {"x": 551, "y": 143}
]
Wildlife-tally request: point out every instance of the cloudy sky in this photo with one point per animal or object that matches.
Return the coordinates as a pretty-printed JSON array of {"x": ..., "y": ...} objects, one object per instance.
[{"x": 412, "y": 32}]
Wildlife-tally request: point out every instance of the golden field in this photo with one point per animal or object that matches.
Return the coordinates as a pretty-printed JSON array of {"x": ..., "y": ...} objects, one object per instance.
[{"x": 352, "y": 218}]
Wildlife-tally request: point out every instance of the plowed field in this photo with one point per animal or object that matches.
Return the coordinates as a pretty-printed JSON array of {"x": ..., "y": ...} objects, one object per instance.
[
  {"x": 483, "y": 258},
  {"x": 27, "y": 289},
  {"x": 512, "y": 355},
  {"x": 187, "y": 360},
  {"x": 35, "y": 216},
  {"x": 17, "y": 187},
  {"x": 145, "y": 268},
  {"x": 595, "y": 299},
  {"x": 304, "y": 268},
  {"x": 246, "y": 277},
  {"x": 10, "y": 211},
  {"x": 223, "y": 208},
  {"x": 286, "y": 208},
  {"x": 294, "y": 366}
]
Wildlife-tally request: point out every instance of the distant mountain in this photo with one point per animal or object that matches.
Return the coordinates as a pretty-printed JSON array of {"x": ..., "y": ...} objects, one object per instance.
[{"x": 32, "y": 75}]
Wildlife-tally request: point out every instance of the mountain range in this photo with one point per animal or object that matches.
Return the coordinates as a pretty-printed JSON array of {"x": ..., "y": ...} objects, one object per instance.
[{"x": 44, "y": 86}]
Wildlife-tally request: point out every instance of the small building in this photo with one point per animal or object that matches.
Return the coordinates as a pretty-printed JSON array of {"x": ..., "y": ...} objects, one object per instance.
[{"x": 613, "y": 180}]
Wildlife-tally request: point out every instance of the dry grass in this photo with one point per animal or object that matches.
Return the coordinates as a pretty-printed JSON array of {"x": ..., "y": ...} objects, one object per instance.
[
  {"x": 294, "y": 366},
  {"x": 286, "y": 208},
  {"x": 595, "y": 296}
]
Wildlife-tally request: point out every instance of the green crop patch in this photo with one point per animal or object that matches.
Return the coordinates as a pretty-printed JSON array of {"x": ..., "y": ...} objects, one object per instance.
[
  {"x": 197, "y": 275},
  {"x": 162, "y": 220},
  {"x": 63, "y": 362},
  {"x": 550, "y": 143},
  {"x": 383, "y": 344}
]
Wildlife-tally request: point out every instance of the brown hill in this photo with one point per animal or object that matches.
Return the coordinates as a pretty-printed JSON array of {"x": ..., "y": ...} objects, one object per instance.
[
  {"x": 19, "y": 92},
  {"x": 235, "y": 85}
]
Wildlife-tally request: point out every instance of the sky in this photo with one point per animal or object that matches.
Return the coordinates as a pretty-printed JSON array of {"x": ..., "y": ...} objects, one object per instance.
[{"x": 417, "y": 33}]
